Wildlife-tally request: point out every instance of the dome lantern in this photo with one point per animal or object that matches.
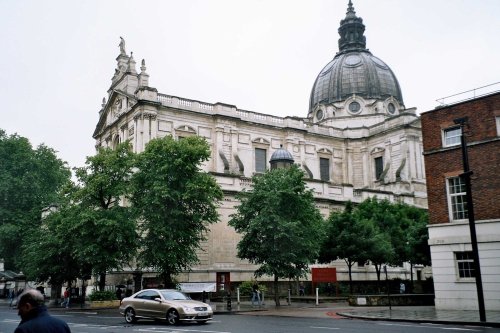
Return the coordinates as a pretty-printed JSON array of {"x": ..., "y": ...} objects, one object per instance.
[
  {"x": 281, "y": 158},
  {"x": 354, "y": 71}
]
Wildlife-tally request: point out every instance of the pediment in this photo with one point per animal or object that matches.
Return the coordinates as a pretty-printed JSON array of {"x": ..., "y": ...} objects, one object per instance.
[
  {"x": 377, "y": 150},
  {"x": 325, "y": 151},
  {"x": 261, "y": 141},
  {"x": 186, "y": 128},
  {"x": 118, "y": 104}
]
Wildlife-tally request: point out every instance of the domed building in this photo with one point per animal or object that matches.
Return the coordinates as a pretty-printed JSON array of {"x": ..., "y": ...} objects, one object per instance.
[
  {"x": 354, "y": 83},
  {"x": 357, "y": 141}
]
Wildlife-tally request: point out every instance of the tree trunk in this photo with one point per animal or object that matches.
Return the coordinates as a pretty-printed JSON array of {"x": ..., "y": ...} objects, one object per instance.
[
  {"x": 102, "y": 281},
  {"x": 167, "y": 281},
  {"x": 349, "y": 265},
  {"x": 55, "y": 293},
  {"x": 377, "y": 269},
  {"x": 276, "y": 291},
  {"x": 411, "y": 277}
]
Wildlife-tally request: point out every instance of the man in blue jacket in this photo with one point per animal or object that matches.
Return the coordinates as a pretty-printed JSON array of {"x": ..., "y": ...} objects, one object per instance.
[{"x": 34, "y": 315}]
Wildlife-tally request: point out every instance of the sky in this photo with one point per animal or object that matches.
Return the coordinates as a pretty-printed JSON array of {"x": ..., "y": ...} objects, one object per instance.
[{"x": 57, "y": 57}]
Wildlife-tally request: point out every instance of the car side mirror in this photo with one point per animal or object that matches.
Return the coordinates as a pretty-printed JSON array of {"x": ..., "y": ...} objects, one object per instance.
[{"x": 158, "y": 299}]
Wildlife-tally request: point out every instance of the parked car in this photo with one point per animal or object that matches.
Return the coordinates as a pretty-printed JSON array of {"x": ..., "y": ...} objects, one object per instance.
[{"x": 164, "y": 304}]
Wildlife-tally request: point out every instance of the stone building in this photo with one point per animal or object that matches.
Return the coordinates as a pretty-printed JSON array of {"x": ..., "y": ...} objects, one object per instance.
[
  {"x": 453, "y": 268},
  {"x": 356, "y": 140}
]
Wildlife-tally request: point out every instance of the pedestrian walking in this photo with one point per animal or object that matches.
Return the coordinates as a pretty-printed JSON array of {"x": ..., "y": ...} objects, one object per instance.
[
  {"x": 255, "y": 293},
  {"x": 12, "y": 296},
  {"x": 34, "y": 316},
  {"x": 66, "y": 296},
  {"x": 302, "y": 289}
]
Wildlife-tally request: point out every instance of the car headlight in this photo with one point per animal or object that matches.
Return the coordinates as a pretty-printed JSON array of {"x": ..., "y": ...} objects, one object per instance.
[
  {"x": 209, "y": 308},
  {"x": 187, "y": 309}
]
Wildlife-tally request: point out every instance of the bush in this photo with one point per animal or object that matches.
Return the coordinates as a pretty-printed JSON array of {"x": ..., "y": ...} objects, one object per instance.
[
  {"x": 246, "y": 288},
  {"x": 106, "y": 295}
]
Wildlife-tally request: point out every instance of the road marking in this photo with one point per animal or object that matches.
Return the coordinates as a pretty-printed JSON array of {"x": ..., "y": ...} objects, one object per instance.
[
  {"x": 325, "y": 328},
  {"x": 155, "y": 329},
  {"x": 459, "y": 329},
  {"x": 434, "y": 326}
]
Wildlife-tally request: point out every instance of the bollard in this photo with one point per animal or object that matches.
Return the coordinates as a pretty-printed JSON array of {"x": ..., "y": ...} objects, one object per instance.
[
  {"x": 238, "y": 296},
  {"x": 289, "y": 296},
  {"x": 229, "y": 301},
  {"x": 317, "y": 296}
]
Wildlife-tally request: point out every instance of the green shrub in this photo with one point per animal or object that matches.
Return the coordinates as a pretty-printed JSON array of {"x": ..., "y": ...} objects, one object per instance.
[
  {"x": 106, "y": 295},
  {"x": 246, "y": 288}
]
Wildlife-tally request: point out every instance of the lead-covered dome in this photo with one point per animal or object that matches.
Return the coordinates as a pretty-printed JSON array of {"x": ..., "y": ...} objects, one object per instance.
[{"x": 354, "y": 70}]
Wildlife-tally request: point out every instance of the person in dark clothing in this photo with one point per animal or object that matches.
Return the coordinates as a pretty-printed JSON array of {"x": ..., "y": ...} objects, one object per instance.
[{"x": 34, "y": 315}]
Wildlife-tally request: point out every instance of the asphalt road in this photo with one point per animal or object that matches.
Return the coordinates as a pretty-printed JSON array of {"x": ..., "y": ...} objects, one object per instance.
[{"x": 109, "y": 322}]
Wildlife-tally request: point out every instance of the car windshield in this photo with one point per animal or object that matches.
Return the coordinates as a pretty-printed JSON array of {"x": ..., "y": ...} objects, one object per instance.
[{"x": 174, "y": 295}]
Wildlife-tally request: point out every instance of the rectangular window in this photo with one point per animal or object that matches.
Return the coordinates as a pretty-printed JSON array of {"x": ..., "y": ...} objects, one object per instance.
[
  {"x": 379, "y": 167},
  {"x": 260, "y": 160},
  {"x": 324, "y": 169},
  {"x": 452, "y": 136},
  {"x": 465, "y": 264},
  {"x": 457, "y": 198}
]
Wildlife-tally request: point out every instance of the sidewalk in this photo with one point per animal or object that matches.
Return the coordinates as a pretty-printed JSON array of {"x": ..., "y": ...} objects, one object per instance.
[
  {"x": 339, "y": 310},
  {"x": 336, "y": 310}
]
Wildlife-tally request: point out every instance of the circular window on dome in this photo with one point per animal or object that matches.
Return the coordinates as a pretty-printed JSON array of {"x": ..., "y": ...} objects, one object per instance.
[
  {"x": 319, "y": 115},
  {"x": 352, "y": 60},
  {"x": 391, "y": 108},
  {"x": 354, "y": 107}
]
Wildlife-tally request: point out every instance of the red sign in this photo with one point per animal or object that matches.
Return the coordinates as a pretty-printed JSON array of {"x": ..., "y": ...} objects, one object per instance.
[{"x": 324, "y": 275}]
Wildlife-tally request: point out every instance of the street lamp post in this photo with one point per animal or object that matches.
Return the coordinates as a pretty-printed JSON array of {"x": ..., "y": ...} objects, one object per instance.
[
  {"x": 466, "y": 175},
  {"x": 388, "y": 288}
]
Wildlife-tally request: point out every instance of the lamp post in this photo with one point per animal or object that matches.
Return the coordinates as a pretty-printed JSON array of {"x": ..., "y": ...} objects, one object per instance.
[
  {"x": 388, "y": 288},
  {"x": 466, "y": 175}
]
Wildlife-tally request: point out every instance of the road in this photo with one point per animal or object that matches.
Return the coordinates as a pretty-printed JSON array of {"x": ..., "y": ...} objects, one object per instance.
[{"x": 111, "y": 322}]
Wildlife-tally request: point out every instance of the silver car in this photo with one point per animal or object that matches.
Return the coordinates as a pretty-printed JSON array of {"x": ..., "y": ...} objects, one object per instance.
[{"x": 164, "y": 304}]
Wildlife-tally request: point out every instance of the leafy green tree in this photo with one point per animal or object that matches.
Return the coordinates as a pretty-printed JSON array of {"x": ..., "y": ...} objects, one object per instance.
[
  {"x": 401, "y": 232},
  {"x": 48, "y": 251},
  {"x": 281, "y": 228},
  {"x": 417, "y": 237},
  {"x": 176, "y": 202},
  {"x": 347, "y": 238},
  {"x": 105, "y": 226},
  {"x": 30, "y": 180}
]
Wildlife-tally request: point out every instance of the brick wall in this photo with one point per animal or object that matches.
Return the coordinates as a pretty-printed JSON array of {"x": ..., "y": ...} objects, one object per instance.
[{"x": 483, "y": 151}]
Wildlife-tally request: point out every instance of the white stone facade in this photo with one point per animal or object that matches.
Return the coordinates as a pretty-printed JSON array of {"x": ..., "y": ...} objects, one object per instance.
[
  {"x": 350, "y": 143},
  {"x": 453, "y": 292}
]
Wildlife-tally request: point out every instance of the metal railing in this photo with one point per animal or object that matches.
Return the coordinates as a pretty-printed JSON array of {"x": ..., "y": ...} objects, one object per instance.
[{"x": 469, "y": 94}]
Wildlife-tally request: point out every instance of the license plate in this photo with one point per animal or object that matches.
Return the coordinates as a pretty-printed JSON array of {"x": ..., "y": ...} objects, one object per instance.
[{"x": 200, "y": 314}]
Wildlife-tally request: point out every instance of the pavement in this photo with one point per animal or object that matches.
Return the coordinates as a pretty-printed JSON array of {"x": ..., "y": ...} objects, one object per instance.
[
  {"x": 337, "y": 310},
  {"x": 342, "y": 310}
]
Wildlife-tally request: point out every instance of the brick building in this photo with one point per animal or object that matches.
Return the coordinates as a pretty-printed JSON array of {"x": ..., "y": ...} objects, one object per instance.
[{"x": 449, "y": 234}]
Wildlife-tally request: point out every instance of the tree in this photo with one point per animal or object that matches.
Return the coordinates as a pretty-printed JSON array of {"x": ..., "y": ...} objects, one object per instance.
[
  {"x": 90, "y": 232},
  {"x": 105, "y": 225},
  {"x": 417, "y": 247},
  {"x": 30, "y": 180},
  {"x": 176, "y": 202},
  {"x": 401, "y": 232},
  {"x": 48, "y": 251},
  {"x": 347, "y": 238},
  {"x": 281, "y": 228}
]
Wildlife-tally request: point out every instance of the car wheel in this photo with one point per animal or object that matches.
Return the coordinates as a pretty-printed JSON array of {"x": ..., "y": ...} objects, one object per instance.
[
  {"x": 172, "y": 317},
  {"x": 130, "y": 316}
]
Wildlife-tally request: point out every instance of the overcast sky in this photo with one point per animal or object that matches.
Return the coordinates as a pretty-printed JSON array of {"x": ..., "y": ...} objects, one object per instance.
[{"x": 57, "y": 57}]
